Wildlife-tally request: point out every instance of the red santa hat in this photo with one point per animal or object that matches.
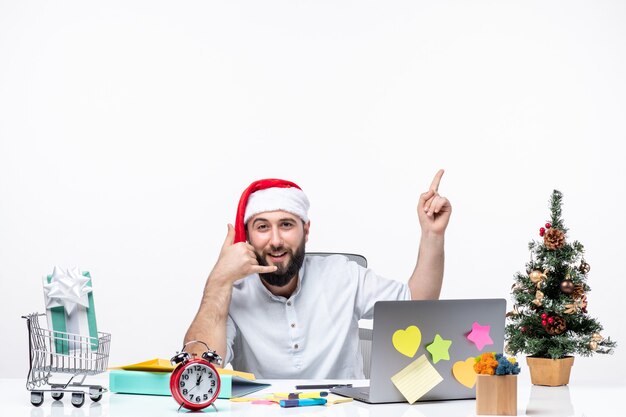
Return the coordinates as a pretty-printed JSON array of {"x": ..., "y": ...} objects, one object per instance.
[{"x": 269, "y": 195}]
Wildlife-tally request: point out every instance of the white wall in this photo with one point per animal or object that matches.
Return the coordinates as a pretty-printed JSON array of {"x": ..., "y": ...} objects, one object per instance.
[{"x": 129, "y": 129}]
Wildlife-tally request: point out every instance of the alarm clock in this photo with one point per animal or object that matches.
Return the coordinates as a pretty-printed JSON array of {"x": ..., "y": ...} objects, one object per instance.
[{"x": 194, "y": 382}]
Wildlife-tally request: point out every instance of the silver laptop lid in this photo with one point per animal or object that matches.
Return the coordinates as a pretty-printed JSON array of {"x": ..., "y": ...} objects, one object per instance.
[{"x": 453, "y": 320}]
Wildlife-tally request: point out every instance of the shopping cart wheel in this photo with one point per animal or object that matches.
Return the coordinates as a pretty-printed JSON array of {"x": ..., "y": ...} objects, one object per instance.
[
  {"x": 36, "y": 398},
  {"x": 57, "y": 395},
  {"x": 95, "y": 393},
  {"x": 78, "y": 399}
]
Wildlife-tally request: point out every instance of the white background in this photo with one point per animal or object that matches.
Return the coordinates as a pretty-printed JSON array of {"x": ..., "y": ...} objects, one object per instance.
[{"x": 129, "y": 129}]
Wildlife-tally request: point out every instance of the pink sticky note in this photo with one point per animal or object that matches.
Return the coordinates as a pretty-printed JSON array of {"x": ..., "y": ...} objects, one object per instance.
[
  {"x": 263, "y": 402},
  {"x": 480, "y": 335}
]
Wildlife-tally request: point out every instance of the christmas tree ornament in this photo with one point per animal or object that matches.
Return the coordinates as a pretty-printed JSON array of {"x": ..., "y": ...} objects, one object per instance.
[
  {"x": 593, "y": 345},
  {"x": 555, "y": 325},
  {"x": 584, "y": 267},
  {"x": 576, "y": 306},
  {"x": 514, "y": 312},
  {"x": 554, "y": 239},
  {"x": 571, "y": 308},
  {"x": 542, "y": 231},
  {"x": 538, "y": 298},
  {"x": 538, "y": 277},
  {"x": 567, "y": 286},
  {"x": 548, "y": 225},
  {"x": 597, "y": 337},
  {"x": 579, "y": 291}
]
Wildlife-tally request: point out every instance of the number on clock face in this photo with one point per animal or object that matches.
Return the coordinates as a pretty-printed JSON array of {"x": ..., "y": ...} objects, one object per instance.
[{"x": 198, "y": 383}]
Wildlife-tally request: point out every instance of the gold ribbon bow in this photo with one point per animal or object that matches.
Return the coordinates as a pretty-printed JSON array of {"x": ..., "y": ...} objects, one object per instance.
[
  {"x": 576, "y": 306},
  {"x": 514, "y": 312},
  {"x": 538, "y": 298}
]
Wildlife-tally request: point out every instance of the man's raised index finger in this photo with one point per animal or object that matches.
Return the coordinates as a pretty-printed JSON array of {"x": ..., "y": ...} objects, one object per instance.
[{"x": 435, "y": 184}]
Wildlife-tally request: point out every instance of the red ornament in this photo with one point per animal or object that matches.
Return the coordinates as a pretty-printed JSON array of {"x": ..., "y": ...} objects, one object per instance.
[
  {"x": 550, "y": 320},
  {"x": 542, "y": 231},
  {"x": 548, "y": 225},
  {"x": 543, "y": 322},
  {"x": 544, "y": 316},
  {"x": 523, "y": 329}
]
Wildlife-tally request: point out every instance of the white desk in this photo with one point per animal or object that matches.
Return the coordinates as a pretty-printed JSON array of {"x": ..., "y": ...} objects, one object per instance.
[{"x": 573, "y": 400}]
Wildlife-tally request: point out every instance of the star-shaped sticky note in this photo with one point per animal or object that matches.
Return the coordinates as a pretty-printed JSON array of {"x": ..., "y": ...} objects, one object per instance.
[
  {"x": 439, "y": 349},
  {"x": 480, "y": 335}
]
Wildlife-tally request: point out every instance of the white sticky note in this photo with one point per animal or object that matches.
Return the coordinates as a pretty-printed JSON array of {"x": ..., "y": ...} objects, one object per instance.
[{"x": 416, "y": 379}]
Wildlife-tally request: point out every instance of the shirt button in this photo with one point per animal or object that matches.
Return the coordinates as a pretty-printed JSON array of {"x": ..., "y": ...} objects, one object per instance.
[
  {"x": 293, "y": 325},
  {"x": 295, "y": 346},
  {"x": 289, "y": 303}
]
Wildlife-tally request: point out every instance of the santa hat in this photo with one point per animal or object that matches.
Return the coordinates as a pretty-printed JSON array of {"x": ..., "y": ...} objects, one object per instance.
[{"x": 269, "y": 195}]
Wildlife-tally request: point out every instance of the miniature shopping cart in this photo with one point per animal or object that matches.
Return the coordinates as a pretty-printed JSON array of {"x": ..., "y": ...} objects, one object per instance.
[{"x": 53, "y": 352}]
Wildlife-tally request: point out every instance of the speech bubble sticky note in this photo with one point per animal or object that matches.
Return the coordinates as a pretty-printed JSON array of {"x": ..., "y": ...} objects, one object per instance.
[
  {"x": 439, "y": 349},
  {"x": 480, "y": 335},
  {"x": 407, "y": 341},
  {"x": 416, "y": 379},
  {"x": 464, "y": 372}
]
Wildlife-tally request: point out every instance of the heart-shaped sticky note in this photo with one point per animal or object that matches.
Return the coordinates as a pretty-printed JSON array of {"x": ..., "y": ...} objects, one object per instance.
[
  {"x": 407, "y": 341},
  {"x": 464, "y": 372}
]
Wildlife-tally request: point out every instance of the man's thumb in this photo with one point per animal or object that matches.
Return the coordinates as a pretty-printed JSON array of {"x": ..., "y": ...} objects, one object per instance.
[{"x": 230, "y": 236}]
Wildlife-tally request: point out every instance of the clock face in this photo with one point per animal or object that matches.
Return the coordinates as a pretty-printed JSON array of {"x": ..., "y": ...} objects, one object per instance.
[{"x": 198, "y": 384}]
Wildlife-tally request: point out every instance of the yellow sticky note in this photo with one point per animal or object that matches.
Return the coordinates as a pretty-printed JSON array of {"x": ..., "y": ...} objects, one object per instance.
[
  {"x": 336, "y": 399},
  {"x": 416, "y": 379},
  {"x": 407, "y": 341},
  {"x": 164, "y": 365},
  {"x": 153, "y": 365}
]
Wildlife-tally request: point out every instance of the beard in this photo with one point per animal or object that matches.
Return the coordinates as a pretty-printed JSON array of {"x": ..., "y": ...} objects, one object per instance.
[{"x": 284, "y": 274}]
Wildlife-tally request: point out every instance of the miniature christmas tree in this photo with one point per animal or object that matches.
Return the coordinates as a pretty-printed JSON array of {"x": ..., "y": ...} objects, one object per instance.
[{"x": 550, "y": 317}]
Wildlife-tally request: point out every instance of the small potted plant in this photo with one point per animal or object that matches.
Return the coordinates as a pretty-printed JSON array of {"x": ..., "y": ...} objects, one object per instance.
[{"x": 496, "y": 384}]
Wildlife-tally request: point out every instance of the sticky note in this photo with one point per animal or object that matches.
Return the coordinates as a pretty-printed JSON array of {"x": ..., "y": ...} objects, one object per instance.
[
  {"x": 464, "y": 372},
  {"x": 439, "y": 349},
  {"x": 263, "y": 402},
  {"x": 480, "y": 335},
  {"x": 336, "y": 399},
  {"x": 416, "y": 379},
  {"x": 407, "y": 341}
]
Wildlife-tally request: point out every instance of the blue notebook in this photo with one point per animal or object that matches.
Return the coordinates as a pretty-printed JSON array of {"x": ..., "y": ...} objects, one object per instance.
[{"x": 158, "y": 383}]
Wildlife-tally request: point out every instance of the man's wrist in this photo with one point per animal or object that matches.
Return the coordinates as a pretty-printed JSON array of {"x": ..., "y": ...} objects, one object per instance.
[{"x": 432, "y": 237}]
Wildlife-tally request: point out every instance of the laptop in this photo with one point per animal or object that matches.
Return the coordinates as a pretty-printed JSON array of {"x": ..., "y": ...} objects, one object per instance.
[{"x": 452, "y": 320}]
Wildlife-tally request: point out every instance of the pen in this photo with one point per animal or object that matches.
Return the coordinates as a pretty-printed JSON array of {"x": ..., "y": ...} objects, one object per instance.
[
  {"x": 323, "y": 386},
  {"x": 313, "y": 394},
  {"x": 296, "y": 395},
  {"x": 303, "y": 402}
]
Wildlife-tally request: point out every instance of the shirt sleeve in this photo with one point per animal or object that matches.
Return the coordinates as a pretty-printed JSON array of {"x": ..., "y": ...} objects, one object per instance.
[
  {"x": 231, "y": 332},
  {"x": 372, "y": 288}
]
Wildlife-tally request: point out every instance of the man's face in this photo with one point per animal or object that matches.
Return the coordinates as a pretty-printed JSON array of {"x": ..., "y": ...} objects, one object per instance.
[{"x": 278, "y": 238}]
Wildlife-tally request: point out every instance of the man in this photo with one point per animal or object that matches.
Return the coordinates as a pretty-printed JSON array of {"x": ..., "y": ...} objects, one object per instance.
[{"x": 271, "y": 311}]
